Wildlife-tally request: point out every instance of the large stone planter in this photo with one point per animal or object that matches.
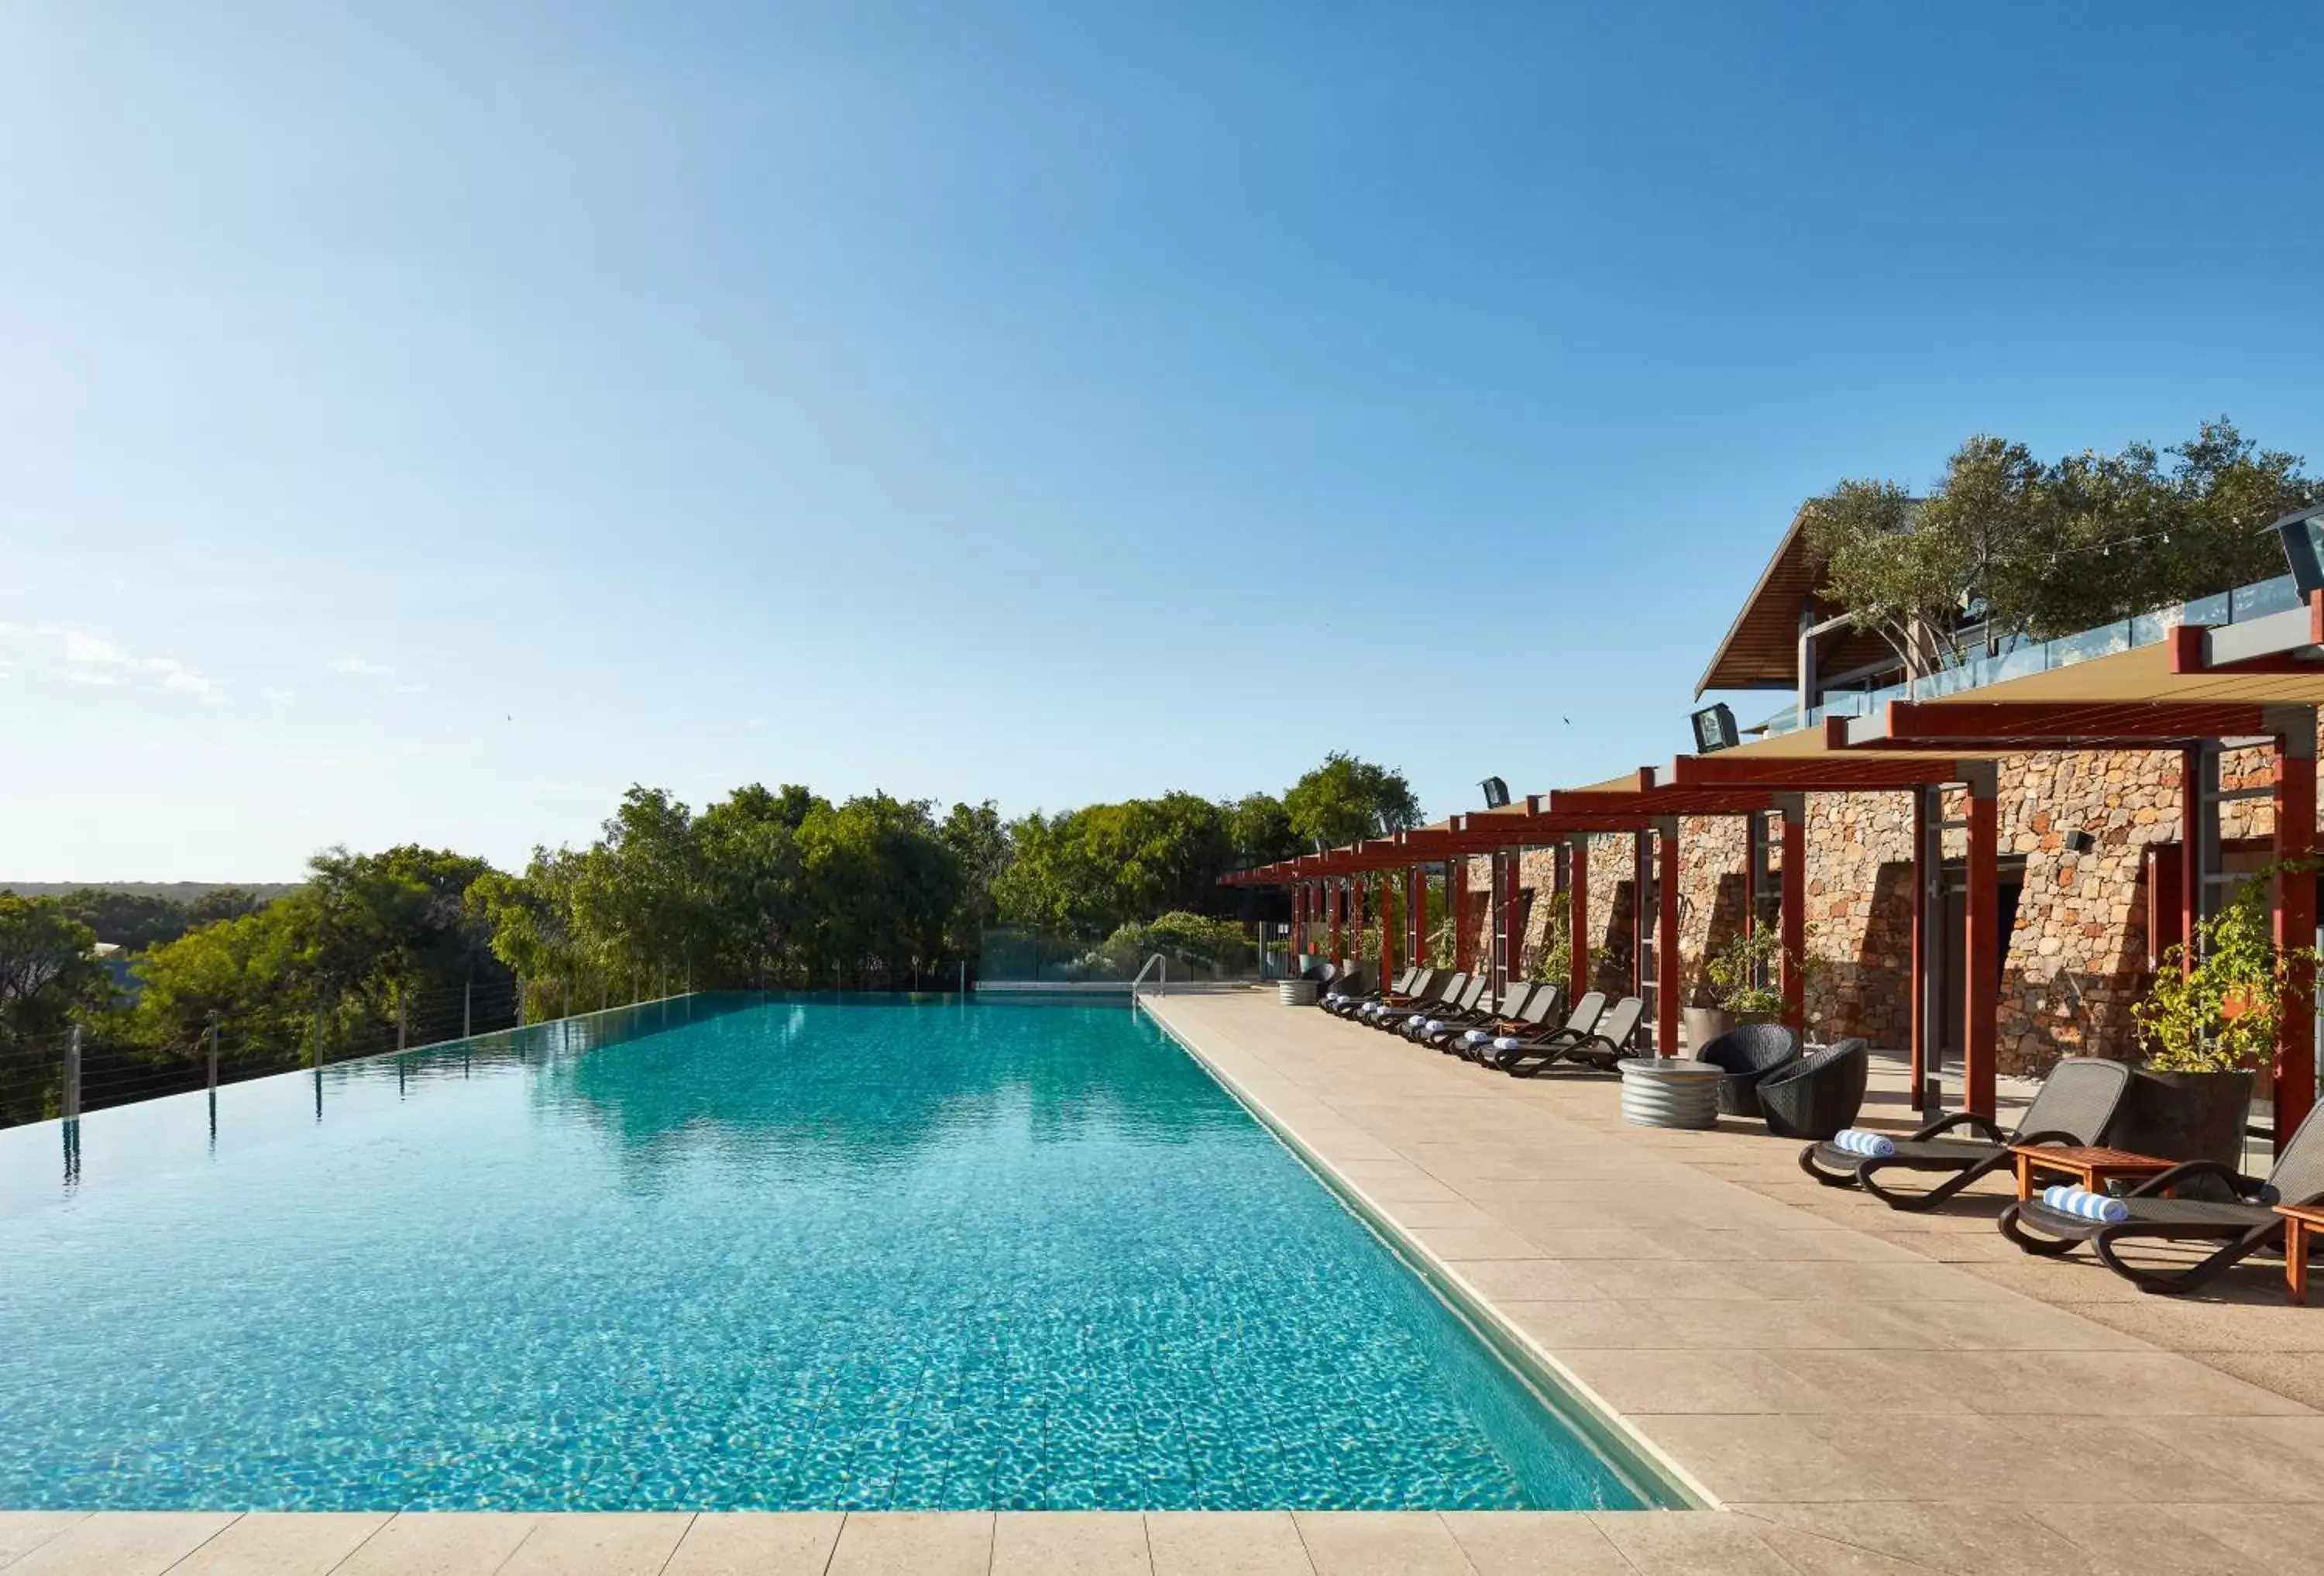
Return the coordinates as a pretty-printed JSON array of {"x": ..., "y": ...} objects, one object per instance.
[
  {"x": 1670, "y": 1091},
  {"x": 1702, "y": 1024},
  {"x": 2187, "y": 1116}
]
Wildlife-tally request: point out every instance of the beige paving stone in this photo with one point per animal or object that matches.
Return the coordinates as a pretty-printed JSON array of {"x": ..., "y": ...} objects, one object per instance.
[
  {"x": 282, "y": 1543},
  {"x": 2150, "y": 1543},
  {"x": 23, "y": 1531},
  {"x": 440, "y": 1544},
  {"x": 1967, "y": 1540},
  {"x": 1525, "y": 1280},
  {"x": 605, "y": 1545},
  {"x": 1241, "y": 1543},
  {"x": 1525, "y": 1543},
  {"x": 1669, "y": 1381},
  {"x": 1453, "y": 1243},
  {"x": 1697, "y": 1543},
  {"x": 1380, "y": 1543},
  {"x": 1070, "y": 1543},
  {"x": 1747, "y": 1458},
  {"x": 749, "y": 1542},
  {"x": 2273, "y": 1457},
  {"x": 122, "y": 1542},
  {"x": 2272, "y": 1537},
  {"x": 1820, "y": 1556},
  {"x": 923, "y": 1543}
]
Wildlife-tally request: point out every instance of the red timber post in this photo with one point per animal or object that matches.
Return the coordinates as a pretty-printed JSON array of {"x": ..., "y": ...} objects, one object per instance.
[
  {"x": 1512, "y": 918},
  {"x": 1387, "y": 931},
  {"x": 1792, "y": 923},
  {"x": 1666, "y": 943},
  {"x": 2296, "y": 917},
  {"x": 2192, "y": 871},
  {"x": 1456, "y": 877},
  {"x": 1335, "y": 902},
  {"x": 1921, "y": 876},
  {"x": 1577, "y": 922},
  {"x": 1298, "y": 926},
  {"x": 1981, "y": 949}
]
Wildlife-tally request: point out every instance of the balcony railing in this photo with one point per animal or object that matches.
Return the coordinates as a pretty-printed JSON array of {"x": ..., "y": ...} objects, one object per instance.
[{"x": 2020, "y": 657}]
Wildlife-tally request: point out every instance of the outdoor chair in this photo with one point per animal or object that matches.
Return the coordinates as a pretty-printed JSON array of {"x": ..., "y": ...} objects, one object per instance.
[
  {"x": 1597, "y": 1049},
  {"x": 2242, "y": 1225},
  {"x": 1456, "y": 1016},
  {"x": 1395, "y": 1017},
  {"x": 1527, "y": 1012},
  {"x": 1818, "y": 1094},
  {"x": 2077, "y": 1105},
  {"x": 1744, "y": 1056},
  {"x": 1582, "y": 1020},
  {"x": 1353, "y": 1006}
]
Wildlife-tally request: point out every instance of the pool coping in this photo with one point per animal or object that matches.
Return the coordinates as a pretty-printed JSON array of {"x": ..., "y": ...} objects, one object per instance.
[{"x": 1648, "y": 1469}]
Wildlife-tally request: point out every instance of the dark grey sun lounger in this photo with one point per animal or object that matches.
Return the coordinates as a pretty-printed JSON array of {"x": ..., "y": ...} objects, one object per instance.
[
  {"x": 1455, "y": 1013},
  {"x": 2076, "y": 1106},
  {"x": 1581, "y": 1021},
  {"x": 1527, "y": 1016},
  {"x": 2242, "y": 1225},
  {"x": 1424, "y": 999},
  {"x": 1404, "y": 982},
  {"x": 1599, "y": 1047}
]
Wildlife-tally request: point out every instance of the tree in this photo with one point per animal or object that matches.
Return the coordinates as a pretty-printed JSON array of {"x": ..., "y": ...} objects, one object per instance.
[
  {"x": 223, "y": 903},
  {"x": 752, "y": 883},
  {"x": 1261, "y": 829},
  {"x": 2005, "y": 545},
  {"x": 129, "y": 920},
  {"x": 1345, "y": 800},
  {"x": 48, "y": 971}
]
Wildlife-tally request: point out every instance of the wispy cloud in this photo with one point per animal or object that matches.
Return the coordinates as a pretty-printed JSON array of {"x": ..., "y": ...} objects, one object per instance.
[
  {"x": 362, "y": 665},
  {"x": 93, "y": 659}
]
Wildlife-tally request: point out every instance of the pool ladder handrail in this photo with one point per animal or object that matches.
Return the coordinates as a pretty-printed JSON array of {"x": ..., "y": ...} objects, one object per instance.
[{"x": 1161, "y": 982}]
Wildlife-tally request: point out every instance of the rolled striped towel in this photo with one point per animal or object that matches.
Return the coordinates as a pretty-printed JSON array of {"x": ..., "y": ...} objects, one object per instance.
[
  {"x": 1436, "y": 1025},
  {"x": 2088, "y": 1205},
  {"x": 1507, "y": 1042},
  {"x": 1415, "y": 1020},
  {"x": 1475, "y": 1035},
  {"x": 1871, "y": 1146}
]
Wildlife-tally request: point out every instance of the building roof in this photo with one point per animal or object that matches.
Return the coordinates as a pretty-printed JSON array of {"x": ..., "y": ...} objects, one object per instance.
[{"x": 1762, "y": 648}]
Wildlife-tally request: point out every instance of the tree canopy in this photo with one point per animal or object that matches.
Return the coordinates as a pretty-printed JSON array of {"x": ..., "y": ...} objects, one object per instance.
[
  {"x": 2009, "y": 543},
  {"x": 1345, "y": 800}
]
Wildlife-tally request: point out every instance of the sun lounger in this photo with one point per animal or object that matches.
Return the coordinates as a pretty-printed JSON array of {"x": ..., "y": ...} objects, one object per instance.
[
  {"x": 1467, "y": 1010},
  {"x": 1350, "y": 1005},
  {"x": 2242, "y": 1224},
  {"x": 2076, "y": 1106},
  {"x": 1599, "y": 1047},
  {"x": 1528, "y": 1013},
  {"x": 1402, "y": 1016}
]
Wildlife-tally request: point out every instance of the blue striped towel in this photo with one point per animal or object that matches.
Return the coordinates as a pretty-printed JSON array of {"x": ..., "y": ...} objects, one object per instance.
[
  {"x": 2090, "y": 1206},
  {"x": 1507, "y": 1042},
  {"x": 1415, "y": 1020},
  {"x": 1871, "y": 1146},
  {"x": 1474, "y": 1034},
  {"x": 1436, "y": 1025}
]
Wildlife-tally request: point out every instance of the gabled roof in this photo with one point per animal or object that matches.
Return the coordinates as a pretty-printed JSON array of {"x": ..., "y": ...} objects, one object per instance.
[{"x": 1762, "y": 648}]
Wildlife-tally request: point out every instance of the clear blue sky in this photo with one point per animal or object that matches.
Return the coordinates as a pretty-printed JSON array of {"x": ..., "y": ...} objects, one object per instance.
[{"x": 422, "y": 421}]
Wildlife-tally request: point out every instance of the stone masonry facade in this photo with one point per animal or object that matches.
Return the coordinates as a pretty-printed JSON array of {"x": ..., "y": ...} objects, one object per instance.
[{"x": 2075, "y": 957}]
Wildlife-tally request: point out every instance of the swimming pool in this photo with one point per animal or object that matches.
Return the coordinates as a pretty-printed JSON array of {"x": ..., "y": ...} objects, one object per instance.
[{"x": 737, "y": 1253}]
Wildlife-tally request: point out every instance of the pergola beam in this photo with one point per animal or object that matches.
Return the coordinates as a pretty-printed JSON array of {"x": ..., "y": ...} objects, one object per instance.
[{"x": 2013, "y": 725}]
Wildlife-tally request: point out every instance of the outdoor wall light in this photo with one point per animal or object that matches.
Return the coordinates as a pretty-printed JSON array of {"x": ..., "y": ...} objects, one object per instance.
[
  {"x": 1714, "y": 729},
  {"x": 2078, "y": 841},
  {"x": 1497, "y": 793},
  {"x": 2303, "y": 548}
]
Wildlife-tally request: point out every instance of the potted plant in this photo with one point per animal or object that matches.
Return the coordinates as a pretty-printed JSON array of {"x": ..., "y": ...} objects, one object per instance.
[
  {"x": 2211, "y": 1024},
  {"x": 1734, "y": 994}
]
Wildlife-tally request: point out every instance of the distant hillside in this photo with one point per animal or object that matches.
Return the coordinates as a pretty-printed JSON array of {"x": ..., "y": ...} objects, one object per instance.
[{"x": 175, "y": 891}]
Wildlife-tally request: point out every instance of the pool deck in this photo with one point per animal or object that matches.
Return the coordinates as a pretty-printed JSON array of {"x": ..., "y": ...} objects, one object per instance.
[{"x": 1861, "y": 1392}]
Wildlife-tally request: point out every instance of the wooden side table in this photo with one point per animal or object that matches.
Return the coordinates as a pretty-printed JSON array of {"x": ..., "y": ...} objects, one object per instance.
[
  {"x": 2095, "y": 1166},
  {"x": 2300, "y": 1220}
]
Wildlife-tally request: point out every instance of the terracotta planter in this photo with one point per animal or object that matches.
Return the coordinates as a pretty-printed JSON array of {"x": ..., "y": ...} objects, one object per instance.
[{"x": 2187, "y": 1116}]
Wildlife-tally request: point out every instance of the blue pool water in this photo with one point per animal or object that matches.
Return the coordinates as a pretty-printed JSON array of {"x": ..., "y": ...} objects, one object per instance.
[{"x": 736, "y": 1254}]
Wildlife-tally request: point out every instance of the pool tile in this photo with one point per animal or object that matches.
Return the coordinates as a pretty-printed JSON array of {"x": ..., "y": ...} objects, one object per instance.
[
  {"x": 1379, "y": 1544},
  {"x": 925, "y": 1543},
  {"x": 603, "y": 1544},
  {"x": 1523, "y": 1542},
  {"x": 23, "y": 1531},
  {"x": 1243, "y": 1543},
  {"x": 282, "y": 1543},
  {"x": 440, "y": 1544},
  {"x": 749, "y": 1542},
  {"x": 122, "y": 1542},
  {"x": 1096, "y": 1543}
]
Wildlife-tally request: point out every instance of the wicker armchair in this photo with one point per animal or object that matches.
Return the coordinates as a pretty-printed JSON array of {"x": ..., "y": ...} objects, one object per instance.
[
  {"x": 1745, "y": 1055},
  {"x": 1818, "y": 1094}
]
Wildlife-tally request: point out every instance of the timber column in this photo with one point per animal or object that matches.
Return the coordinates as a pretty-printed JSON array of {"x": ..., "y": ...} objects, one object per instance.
[
  {"x": 1666, "y": 943},
  {"x": 1791, "y": 923},
  {"x": 1577, "y": 922},
  {"x": 1981, "y": 989},
  {"x": 2295, "y": 917}
]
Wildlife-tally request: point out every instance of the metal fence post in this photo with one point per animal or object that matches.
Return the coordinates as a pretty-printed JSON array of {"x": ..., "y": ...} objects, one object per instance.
[
  {"x": 399, "y": 1017},
  {"x": 213, "y": 1056},
  {"x": 468, "y": 1007},
  {"x": 72, "y": 1076}
]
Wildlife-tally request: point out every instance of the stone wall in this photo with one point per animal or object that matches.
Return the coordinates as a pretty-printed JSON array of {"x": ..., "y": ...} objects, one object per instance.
[{"x": 2075, "y": 957}]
